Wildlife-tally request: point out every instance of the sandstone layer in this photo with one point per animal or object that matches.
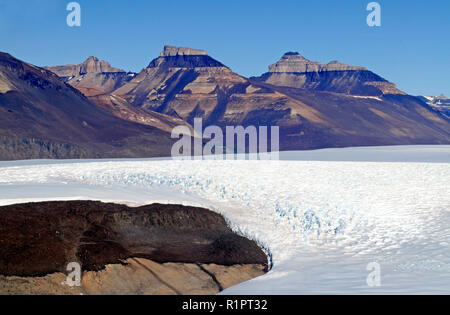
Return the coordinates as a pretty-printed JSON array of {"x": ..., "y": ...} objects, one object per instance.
[
  {"x": 97, "y": 80},
  {"x": 329, "y": 105},
  {"x": 138, "y": 276}
]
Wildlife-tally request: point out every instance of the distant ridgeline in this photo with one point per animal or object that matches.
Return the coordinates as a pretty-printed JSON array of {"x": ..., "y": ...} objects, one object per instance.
[{"x": 93, "y": 110}]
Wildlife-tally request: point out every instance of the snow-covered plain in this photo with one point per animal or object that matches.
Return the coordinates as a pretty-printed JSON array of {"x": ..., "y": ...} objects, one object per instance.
[{"x": 322, "y": 221}]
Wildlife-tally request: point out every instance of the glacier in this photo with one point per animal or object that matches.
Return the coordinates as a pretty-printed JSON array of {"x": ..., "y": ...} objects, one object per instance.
[{"x": 322, "y": 216}]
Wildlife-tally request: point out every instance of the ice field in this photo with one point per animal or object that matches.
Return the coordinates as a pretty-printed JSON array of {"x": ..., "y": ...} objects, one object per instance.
[{"x": 322, "y": 216}]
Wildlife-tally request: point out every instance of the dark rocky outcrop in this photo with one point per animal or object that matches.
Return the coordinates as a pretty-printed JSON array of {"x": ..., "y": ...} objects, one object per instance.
[
  {"x": 295, "y": 71},
  {"x": 38, "y": 239},
  {"x": 97, "y": 80}
]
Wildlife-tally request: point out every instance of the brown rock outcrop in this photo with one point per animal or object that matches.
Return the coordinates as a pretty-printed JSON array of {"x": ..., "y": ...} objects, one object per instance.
[
  {"x": 295, "y": 71},
  {"x": 43, "y": 117},
  {"x": 180, "y": 51},
  {"x": 315, "y": 105},
  {"x": 154, "y": 249},
  {"x": 90, "y": 65},
  {"x": 293, "y": 62}
]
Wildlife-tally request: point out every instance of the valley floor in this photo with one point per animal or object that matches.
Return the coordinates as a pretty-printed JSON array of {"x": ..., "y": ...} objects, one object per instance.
[{"x": 322, "y": 215}]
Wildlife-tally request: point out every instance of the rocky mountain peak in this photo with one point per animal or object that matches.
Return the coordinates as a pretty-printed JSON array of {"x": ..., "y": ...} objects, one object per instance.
[
  {"x": 293, "y": 62},
  {"x": 94, "y": 65},
  {"x": 181, "y": 51},
  {"x": 91, "y": 59},
  {"x": 295, "y": 71},
  {"x": 184, "y": 57},
  {"x": 293, "y": 55},
  {"x": 90, "y": 65}
]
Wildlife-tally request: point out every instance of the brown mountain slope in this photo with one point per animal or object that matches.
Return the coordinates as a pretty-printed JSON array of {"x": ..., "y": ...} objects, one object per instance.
[
  {"x": 42, "y": 117},
  {"x": 315, "y": 105},
  {"x": 348, "y": 106},
  {"x": 348, "y": 120},
  {"x": 90, "y": 65},
  {"x": 97, "y": 76},
  {"x": 97, "y": 80},
  {"x": 120, "y": 108}
]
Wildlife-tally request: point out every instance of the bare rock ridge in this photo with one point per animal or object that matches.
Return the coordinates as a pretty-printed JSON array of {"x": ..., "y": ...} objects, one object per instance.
[
  {"x": 40, "y": 239},
  {"x": 181, "y": 51},
  {"x": 93, "y": 77},
  {"x": 43, "y": 117},
  {"x": 294, "y": 70},
  {"x": 293, "y": 62},
  {"x": 97, "y": 80},
  {"x": 178, "y": 82},
  {"x": 90, "y": 65},
  {"x": 329, "y": 105},
  {"x": 120, "y": 108},
  {"x": 337, "y": 106}
]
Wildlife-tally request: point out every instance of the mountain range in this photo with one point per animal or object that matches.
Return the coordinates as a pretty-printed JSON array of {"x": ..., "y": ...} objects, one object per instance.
[
  {"x": 43, "y": 117},
  {"x": 95, "y": 110}
]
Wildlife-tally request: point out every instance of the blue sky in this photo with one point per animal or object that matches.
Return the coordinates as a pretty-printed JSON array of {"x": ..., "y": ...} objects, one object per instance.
[{"x": 411, "y": 48}]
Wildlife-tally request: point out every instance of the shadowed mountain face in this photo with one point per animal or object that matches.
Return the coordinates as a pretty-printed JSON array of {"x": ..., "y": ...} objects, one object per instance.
[
  {"x": 349, "y": 120},
  {"x": 94, "y": 76},
  {"x": 91, "y": 65},
  {"x": 97, "y": 80},
  {"x": 182, "y": 82},
  {"x": 295, "y": 71},
  {"x": 42, "y": 117},
  {"x": 315, "y": 105},
  {"x": 120, "y": 108}
]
